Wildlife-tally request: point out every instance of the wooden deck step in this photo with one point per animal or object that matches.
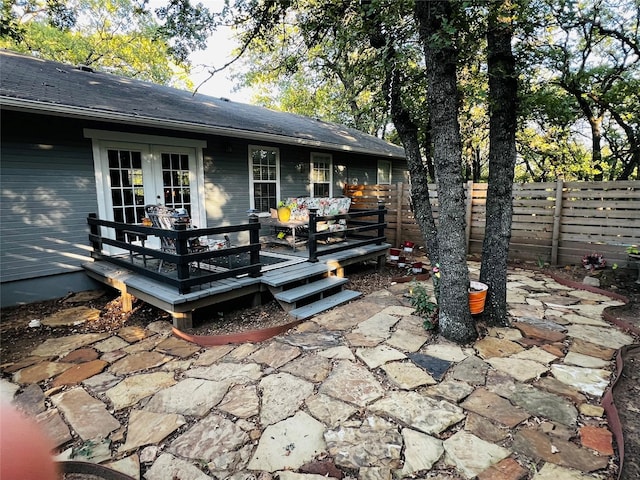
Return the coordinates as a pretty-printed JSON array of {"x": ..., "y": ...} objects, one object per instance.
[
  {"x": 324, "y": 304},
  {"x": 298, "y": 293},
  {"x": 283, "y": 276}
]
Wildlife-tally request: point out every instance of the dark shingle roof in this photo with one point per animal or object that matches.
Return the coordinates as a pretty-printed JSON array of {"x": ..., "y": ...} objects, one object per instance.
[{"x": 43, "y": 85}]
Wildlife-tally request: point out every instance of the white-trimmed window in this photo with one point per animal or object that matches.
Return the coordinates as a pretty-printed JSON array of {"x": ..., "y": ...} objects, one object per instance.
[
  {"x": 321, "y": 175},
  {"x": 264, "y": 172},
  {"x": 384, "y": 172}
]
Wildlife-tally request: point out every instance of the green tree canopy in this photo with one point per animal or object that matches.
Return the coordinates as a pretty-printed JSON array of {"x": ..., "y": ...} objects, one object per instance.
[{"x": 119, "y": 36}]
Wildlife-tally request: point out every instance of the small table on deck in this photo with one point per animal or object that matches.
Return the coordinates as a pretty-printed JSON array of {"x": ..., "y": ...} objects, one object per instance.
[{"x": 283, "y": 227}]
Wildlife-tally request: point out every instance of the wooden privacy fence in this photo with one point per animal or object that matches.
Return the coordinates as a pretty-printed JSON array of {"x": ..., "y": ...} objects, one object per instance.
[{"x": 554, "y": 222}]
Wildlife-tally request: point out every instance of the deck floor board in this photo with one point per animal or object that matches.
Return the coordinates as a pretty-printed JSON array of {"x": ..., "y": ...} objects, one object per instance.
[{"x": 168, "y": 298}]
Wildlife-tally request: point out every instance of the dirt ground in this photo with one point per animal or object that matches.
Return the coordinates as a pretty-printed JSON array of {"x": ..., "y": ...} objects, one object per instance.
[{"x": 17, "y": 338}]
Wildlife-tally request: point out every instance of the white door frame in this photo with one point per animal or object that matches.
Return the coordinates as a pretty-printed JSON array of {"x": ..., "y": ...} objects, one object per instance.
[{"x": 152, "y": 146}]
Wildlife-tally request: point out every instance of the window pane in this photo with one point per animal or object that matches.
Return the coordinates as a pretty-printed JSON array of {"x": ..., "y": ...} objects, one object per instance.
[
  {"x": 126, "y": 178},
  {"x": 115, "y": 178},
  {"x": 112, "y": 155},
  {"x": 116, "y": 198},
  {"x": 137, "y": 178},
  {"x": 321, "y": 190},
  {"x": 139, "y": 195},
  {"x": 175, "y": 161},
  {"x": 384, "y": 172},
  {"x": 320, "y": 177},
  {"x": 125, "y": 159},
  {"x": 136, "y": 160},
  {"x": 130, "y": 215},
  {"x": 118, "y": 215},
  {"x": 128, "y": 197},
  {"x": 264, "y": 195}
]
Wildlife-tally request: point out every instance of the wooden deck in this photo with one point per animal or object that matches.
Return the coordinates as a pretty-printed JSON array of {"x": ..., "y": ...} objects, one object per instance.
[{"x": 293, "y": 271}]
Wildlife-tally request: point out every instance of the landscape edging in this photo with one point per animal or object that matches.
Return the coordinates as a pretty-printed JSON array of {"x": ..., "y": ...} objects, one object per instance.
[{"x": 608, "y": 402}]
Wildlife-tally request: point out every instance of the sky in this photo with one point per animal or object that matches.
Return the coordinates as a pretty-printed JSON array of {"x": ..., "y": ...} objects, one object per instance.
[{"x": 218, "y": 52}]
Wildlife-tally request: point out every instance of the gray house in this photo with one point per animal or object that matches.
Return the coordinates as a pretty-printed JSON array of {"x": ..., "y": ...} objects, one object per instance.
[{"x": 76, "y": 142}]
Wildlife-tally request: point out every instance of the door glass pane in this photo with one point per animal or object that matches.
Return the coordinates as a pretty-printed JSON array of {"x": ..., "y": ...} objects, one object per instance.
[
  {"x": 112, "y": 155},
  {"x": 116, "y": 198},
  {"x": 130, "y": 215},
  {"x": 126, "y": 178},
  {"x": 125, "y": 159},
  {"x": 126, "y": 184},
  {"x": 114, "y": 175},
  {"x": 176, "y": 180}
]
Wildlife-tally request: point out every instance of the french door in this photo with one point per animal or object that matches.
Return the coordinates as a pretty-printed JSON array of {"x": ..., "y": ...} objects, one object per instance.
[
  {"x": 131, "y": 175},
  {"x": 139, "y": 176}
]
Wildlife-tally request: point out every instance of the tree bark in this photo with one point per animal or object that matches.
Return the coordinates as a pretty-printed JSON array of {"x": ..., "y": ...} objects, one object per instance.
[
  {"x": 408, "y": 132},
  {"x": 455, "y": 321},
  {"x": 503, "y": 94},
  {"x": 633, "y": 137}
]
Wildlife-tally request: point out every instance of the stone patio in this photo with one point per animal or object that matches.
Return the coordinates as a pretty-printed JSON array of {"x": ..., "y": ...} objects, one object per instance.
[{"x": 362, "y": 391}]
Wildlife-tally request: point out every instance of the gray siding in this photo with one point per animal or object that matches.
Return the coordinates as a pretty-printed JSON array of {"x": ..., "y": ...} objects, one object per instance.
[
  {"x": 294, "y": 171},
  {"x": 226, "y": 172},
  {"x": 48, "y": 188},
  {"x": 357, "y": 169}
]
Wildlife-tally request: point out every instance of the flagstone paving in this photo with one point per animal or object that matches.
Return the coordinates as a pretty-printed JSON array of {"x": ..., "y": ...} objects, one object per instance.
[{"x": 362, "y": 391}]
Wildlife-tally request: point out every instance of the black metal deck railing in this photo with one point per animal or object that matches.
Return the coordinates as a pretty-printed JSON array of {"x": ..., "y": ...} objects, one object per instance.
[
  {"x": 363, "y": 227},
  {"x": 184, "y": 277}
]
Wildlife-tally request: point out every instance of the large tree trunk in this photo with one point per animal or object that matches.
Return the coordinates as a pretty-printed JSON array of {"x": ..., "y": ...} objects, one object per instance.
[
  {"x": 633, "y": 137},
  {"x": 503, "y": 90},
  {"x": 408, "y": 132},
  {"x": 596, "y": 148},
  {"x": 455, "y": 321}
]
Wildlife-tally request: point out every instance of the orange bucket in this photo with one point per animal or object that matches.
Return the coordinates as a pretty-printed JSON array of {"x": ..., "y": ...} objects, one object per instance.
[{"x": 477, "y": 297}]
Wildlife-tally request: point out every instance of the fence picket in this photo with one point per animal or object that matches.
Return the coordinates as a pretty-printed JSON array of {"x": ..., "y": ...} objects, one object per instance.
[{"x": 557, "y": 222}]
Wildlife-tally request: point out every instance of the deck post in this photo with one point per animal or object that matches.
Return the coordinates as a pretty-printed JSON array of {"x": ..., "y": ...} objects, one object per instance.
[
  {"x": 127, "y": 300},
  {"x": 256, "y": 299},
  {"x": 182, "y": 320},
  {"x": 557, "y": 216},
  {"x": 313, "y": 245},
  {"x": 254, "y": 237},
  {"x": 399, "y": 199},
  {"x": 182, "y": 249},
  {"x": 380, "y": 221},
  {"x": 95, "y": 231}
]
